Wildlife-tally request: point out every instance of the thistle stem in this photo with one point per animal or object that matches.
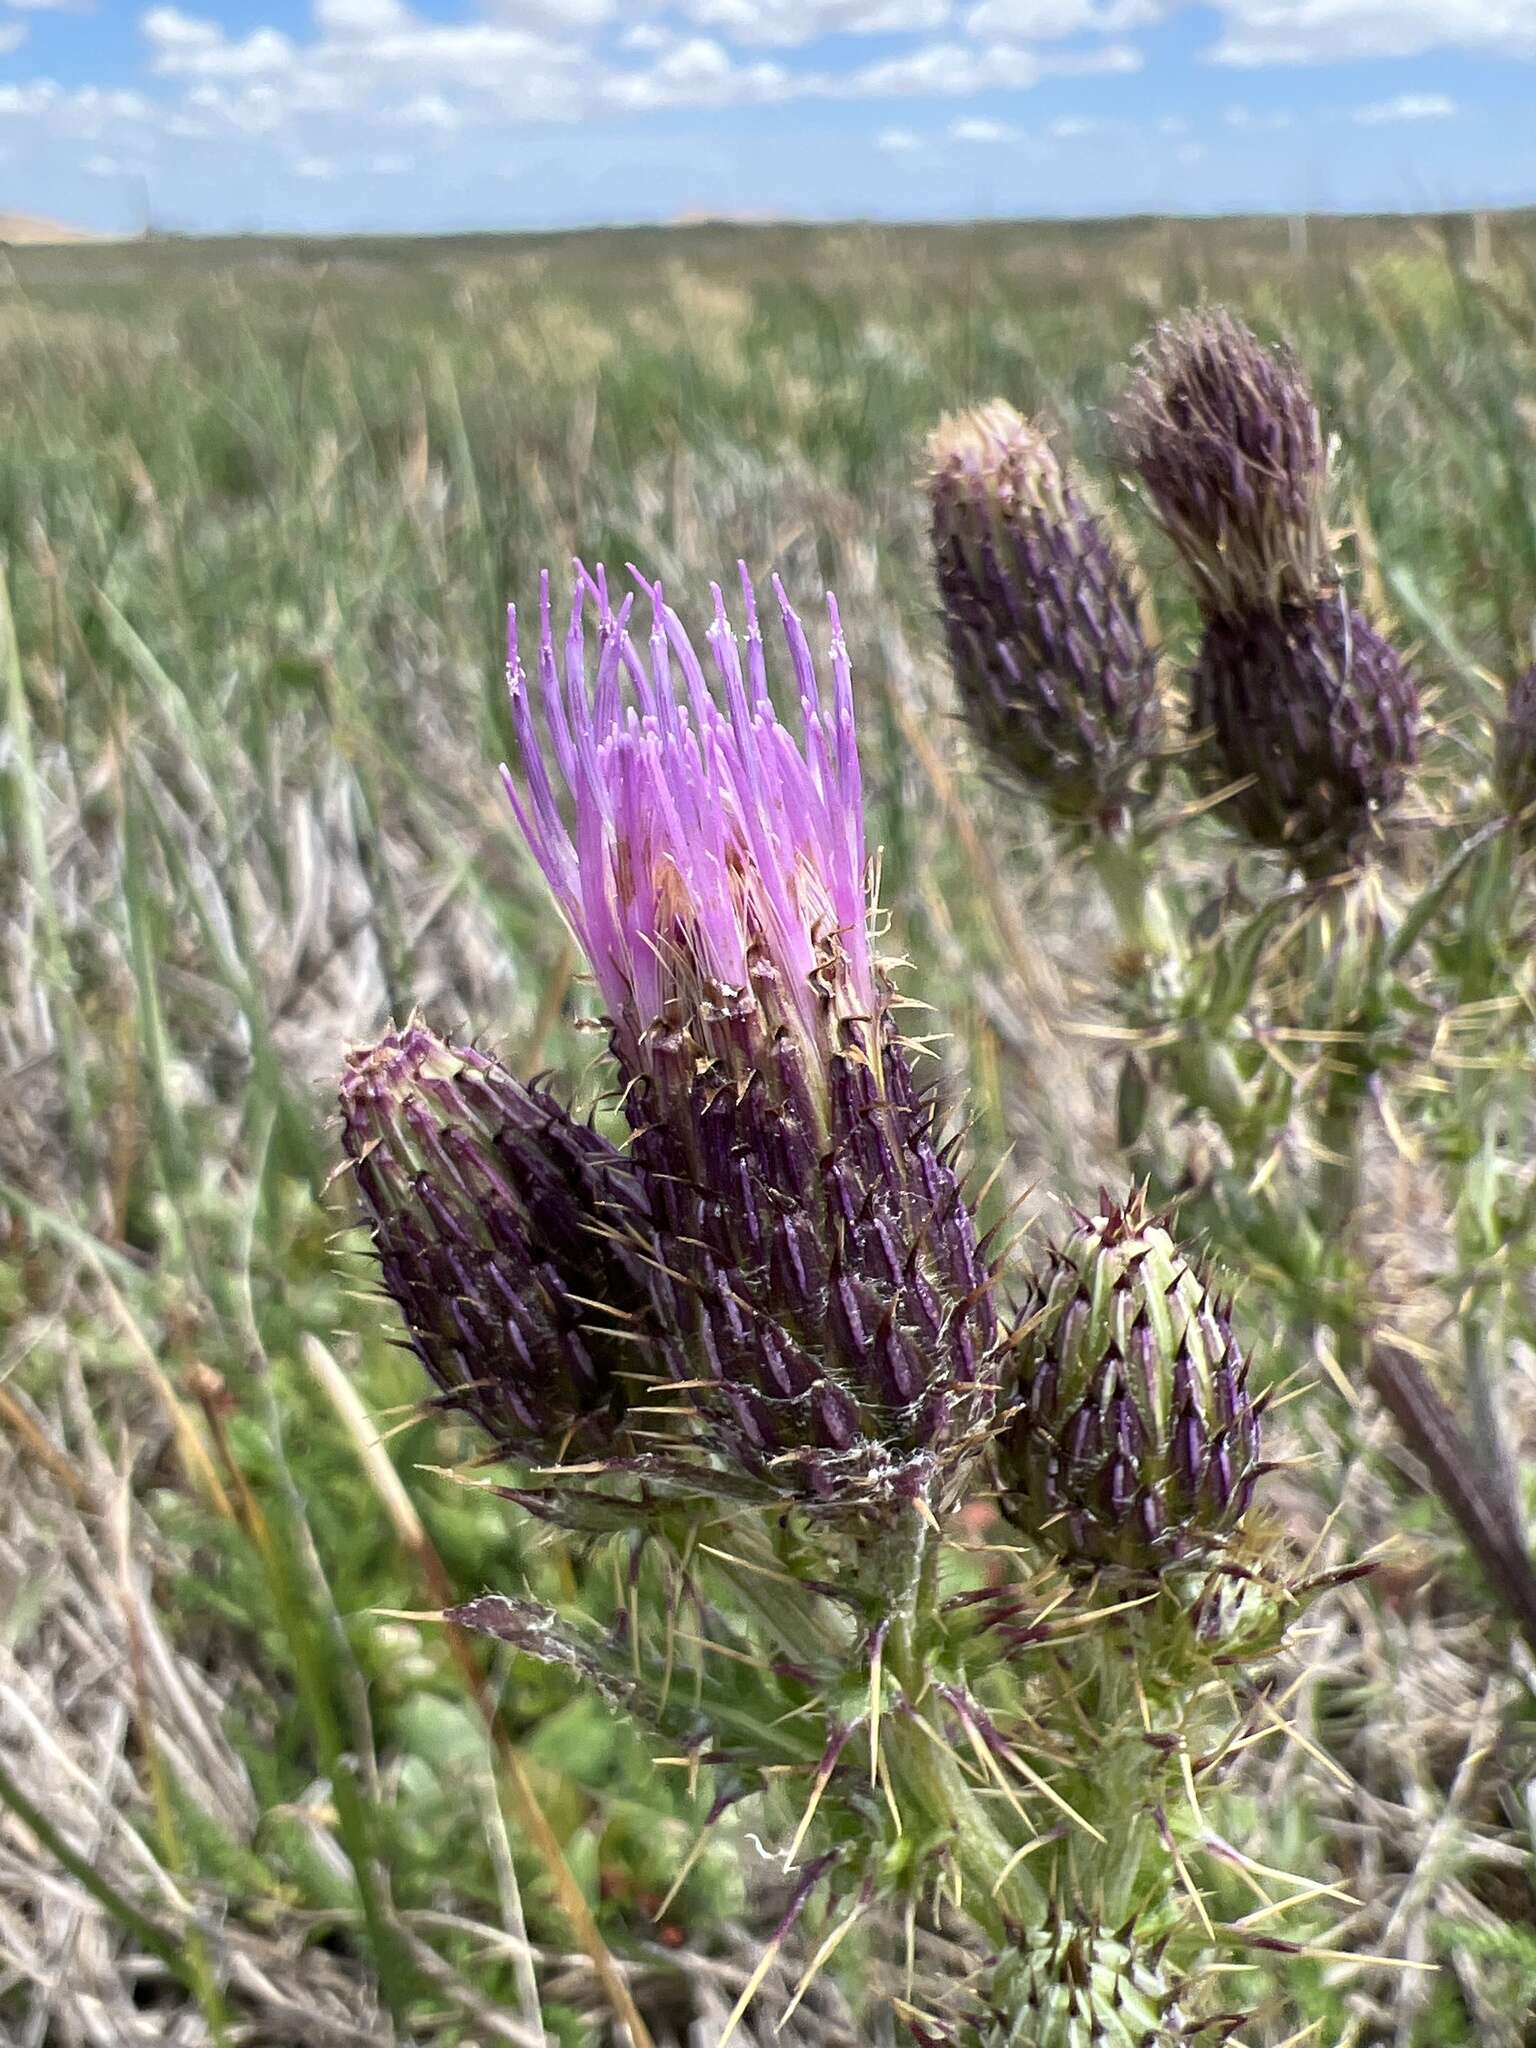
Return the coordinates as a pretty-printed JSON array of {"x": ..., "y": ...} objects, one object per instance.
[
  {"x": 1205, "y": 1068},
  {"x": 1122, "y": 861}
]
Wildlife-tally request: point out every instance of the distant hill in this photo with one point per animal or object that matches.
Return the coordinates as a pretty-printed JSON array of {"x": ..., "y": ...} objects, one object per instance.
[{"x": 29, "y": 231}]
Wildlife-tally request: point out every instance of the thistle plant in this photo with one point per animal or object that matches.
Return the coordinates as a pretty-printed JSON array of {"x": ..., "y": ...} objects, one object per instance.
[
  {"x": 1282, "y": 1029},
  {"x": 755, "y": 1342}
]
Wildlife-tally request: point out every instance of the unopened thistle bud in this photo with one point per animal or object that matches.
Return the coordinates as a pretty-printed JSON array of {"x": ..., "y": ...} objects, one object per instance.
[
  {"x": 1045, "y": 640},
  {"x": 816, "y": 1244},
  {"x": 1128, "y": 1434},
  {"x": 1225, "y": 437},
  {"x": 1316, "y": 713},
  {"x": 1074, "y": 1984},
  {"x": 510, "y": 1236},
  {"x": 1514, "y": 757}
]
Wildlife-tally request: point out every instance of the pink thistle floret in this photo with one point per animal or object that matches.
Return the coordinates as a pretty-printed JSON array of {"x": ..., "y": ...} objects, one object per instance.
[{"x": 710, "y": 862}]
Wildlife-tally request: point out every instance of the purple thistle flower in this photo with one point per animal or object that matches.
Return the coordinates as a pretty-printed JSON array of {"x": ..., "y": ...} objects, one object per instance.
[
  {"x": 512, "y": 1238},
  {"x": 715, "y": 870},
  {"x": 816, "y": 1249}
]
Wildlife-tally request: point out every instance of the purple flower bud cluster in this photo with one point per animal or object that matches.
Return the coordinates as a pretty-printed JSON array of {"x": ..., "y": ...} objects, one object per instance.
[
  {"x": 785, "y": 1236},
  {"x": 1045, "y": 639},
  {"x": 1128, "y": 1434},
  {"x": 1295, "y": 695}
]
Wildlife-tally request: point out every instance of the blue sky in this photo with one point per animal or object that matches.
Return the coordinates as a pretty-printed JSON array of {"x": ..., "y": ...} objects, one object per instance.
[{"x": 417, "y": 114}]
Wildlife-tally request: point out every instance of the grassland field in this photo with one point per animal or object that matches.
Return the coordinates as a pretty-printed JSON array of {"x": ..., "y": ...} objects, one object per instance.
[{"x": 261, "y": 507}]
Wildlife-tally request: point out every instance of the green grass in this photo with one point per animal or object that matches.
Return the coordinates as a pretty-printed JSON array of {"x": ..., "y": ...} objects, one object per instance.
[{"x": 260, "y": 508}]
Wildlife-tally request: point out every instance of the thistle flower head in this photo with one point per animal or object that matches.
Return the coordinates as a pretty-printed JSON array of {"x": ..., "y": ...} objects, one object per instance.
[
  {"x": 816, "y": 1249},
  {"x": 1044, "y": 636},
  {"x": 1314, "y": 711},
  {"x": 1128, "y": 1435},
  {"x": 1514, "y": 757},
  {"x": 1225, "y": 437},
  {"x": 713, "y": 865},
  {"x": 509, "y": 1235}
]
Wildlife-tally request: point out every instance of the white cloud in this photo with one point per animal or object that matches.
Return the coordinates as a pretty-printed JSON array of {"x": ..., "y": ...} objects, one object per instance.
[
  {"x": 566, "y": 16},
  {"x": 950, "y": 70},
  {"x": 1112, "y": 59},
  {"x": 430, "y": 110},
  {"x": 52, "y": 6},
  {"x": 1073, "y": 127},
  {"x": 37, "y": 98},
  {"x": 700, "y": 72},
  {"x": 899, "y": 141},
  {"x": 320, "y": 167},
  {"x": 84, "y": 115},
  {"x": 391, "y": 165},
  {"x": 1408, "y": 106},
  {"x": 254, "y": 110},
  {"x": 1245, "y": 118},
  {"x": 646, "y": 35},
  {"x": 1040, "y": 20},
  {"x": 12, "y": 36},
  {"x": 1258, "y": 32},
  {"x": 169, "y": 29},
  {"x": 982, "y": 131},
  {"x": 103, "y": 167},
  {"x": 788, "y": 22},
  {"x": 360, "y": 17},
  {"x": 799, "y": 21},
  {"x": 187, "y": 46}
]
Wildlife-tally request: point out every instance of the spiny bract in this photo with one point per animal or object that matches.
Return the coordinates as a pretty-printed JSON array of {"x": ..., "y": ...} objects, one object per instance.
[
  {"x": 1128, "y": 1436},
  {"x": 1315, "y": 713}
]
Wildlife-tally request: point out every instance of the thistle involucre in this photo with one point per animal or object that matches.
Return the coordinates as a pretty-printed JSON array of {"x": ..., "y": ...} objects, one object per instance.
[
  {"x": 1074, "y": 1984},
  {"x": 817, "y": 1252},
  {"x": 1225, "y": 437},
  {"x": 499, "y": 1222},
  {"x": 1314, "y": 706},
  {"x": 1045, "y": 641},
  {"x": 1514, "y": 757},
  {"x": 1128, "y": 1433}
]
